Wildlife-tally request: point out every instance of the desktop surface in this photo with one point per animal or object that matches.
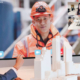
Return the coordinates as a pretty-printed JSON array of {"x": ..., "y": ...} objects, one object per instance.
[
  {"x": 26, "y": 72},
  {"x": 30, "y": 61}
]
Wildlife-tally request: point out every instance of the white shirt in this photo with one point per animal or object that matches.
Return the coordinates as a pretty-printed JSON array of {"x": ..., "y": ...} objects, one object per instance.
[{"x": 14, "y": 70}]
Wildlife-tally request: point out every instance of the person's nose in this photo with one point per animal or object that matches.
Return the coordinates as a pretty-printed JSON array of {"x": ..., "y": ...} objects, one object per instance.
[{"x": 42, "y": 22}]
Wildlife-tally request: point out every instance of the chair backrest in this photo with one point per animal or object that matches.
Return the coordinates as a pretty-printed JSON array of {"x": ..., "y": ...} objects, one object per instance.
[{"x": 68, "y": 10}]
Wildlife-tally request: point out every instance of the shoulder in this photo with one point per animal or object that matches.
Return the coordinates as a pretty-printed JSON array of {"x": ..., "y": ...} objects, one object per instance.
[
  {"x": 24, "y": 40},
  {"x": 27, "y": 38}
]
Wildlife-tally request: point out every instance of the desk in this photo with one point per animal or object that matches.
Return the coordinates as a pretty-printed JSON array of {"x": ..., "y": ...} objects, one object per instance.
[
  {"x": 73, "y": 26},
  {"x": 25, "y": 72},
  {"x": 73, "y": 12}
]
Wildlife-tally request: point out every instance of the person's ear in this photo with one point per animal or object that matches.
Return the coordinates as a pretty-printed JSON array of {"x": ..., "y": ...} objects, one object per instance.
[
  {"x": 51, "y": 20},
  {"x": 33, "y": 22}
]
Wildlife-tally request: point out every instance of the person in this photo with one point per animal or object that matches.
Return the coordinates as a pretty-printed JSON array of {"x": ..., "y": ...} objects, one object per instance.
[
  {"x": 42, "y": 31},
  {"x": 78, "y": 12},
  {"x": 70, "y": 20},
  {"x": 12, "y": 73}
]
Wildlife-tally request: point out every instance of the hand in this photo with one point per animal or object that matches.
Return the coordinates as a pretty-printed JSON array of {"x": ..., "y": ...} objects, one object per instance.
[{"x": 19, "y": 62}]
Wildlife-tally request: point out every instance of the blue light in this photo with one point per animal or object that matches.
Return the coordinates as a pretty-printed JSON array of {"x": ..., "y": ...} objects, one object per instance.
[
  {"x": 51, "y": 51},
  {"x": 37, "y": 52},
  {"x": 1, "y": 54}
]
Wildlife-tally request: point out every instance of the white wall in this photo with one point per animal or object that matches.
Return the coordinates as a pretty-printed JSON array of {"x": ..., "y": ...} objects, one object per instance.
[
  {"x": 69, "y": 6},
  {"x": 76, "y": 6}
]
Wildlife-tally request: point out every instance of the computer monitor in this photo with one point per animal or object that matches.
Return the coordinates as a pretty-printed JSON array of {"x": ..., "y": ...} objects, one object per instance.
[{"x": 10, "y": 29}]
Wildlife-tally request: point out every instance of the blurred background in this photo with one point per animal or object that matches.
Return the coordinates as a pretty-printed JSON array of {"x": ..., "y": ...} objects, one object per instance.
[
  {"x": 72, "y": 6},
  {"x": 15, "y": 21}
]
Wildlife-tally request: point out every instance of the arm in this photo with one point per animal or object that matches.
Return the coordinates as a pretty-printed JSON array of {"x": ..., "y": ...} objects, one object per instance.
[{"x": 11, "y": 74}]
